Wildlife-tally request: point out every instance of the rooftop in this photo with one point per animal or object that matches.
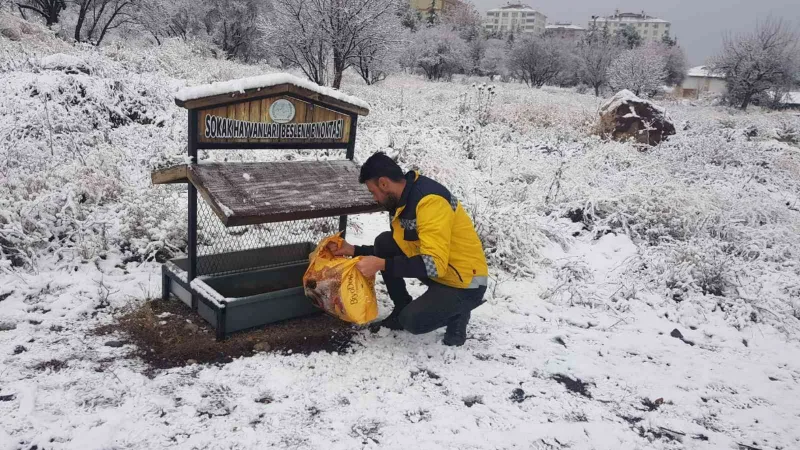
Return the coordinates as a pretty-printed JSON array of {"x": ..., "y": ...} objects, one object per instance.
[
  {"x": 242, "y": 85},
  {"x": 267, "y": 192},
  {"x": 631, "y": 17},
  {"x": 563, "y": 26},
  {"x": 791, "y": 98},
  {"x": 513, "y": 6},
  {"x": 703, "y": 72}
]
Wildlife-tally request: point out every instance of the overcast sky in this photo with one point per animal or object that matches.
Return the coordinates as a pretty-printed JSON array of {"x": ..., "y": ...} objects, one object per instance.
[{"x": 698, "y": 24}]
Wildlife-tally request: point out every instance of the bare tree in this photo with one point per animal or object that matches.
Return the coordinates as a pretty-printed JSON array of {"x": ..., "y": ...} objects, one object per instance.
[
  {"x": 97, "y": 17},
  {"x": 753, "y": 63},
  {"x": 174, "y": 19},
  {"x": 465, "y": 19},
  {"x": 298, "y": 40},
  {"x": 372, "y": 65},
  {"x": 316, "y": 33},
  {"x": 233, "y": 26},
  {"x": 49, "y": 10},
  {"x": 440, "y": 52},
  {"x": 494, "y": 61},
  {"x": 641, "y": 70},
  {"x": 375, "y": 63},
  {"x": 537, "y": 61},
  {"x": 596, "y": 53}
]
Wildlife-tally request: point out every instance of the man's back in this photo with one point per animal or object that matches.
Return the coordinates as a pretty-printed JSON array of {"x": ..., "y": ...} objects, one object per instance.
[{"x": 432, "y": 223}]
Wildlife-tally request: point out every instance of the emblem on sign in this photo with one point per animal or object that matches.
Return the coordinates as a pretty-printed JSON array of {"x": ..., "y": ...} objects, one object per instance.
[{"x": 282, "y": 111}]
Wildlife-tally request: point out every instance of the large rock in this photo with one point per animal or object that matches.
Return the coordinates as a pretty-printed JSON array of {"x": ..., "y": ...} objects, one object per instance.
[{"x": 626, "y": 116}]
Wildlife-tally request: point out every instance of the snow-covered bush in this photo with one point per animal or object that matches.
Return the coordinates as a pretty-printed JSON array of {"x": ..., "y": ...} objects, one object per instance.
[
  {"x": 439, "y": 52},
  {"x": 786, "y": 132},
  {"x": 494, "y": 59},
  {"x": 641, "y": 70}
]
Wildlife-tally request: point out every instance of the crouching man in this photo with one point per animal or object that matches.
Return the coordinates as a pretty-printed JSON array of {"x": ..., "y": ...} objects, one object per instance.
[{"x": 433, "y": 239}]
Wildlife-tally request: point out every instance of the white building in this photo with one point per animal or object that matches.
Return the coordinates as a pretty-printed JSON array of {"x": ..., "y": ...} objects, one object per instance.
[
  {"x": 791, "y": 100},
  {"x": 566, "y": 31},
  {"x": 700, "y": 80},
  {"x": 650, "y": 28},
  {"x": 517, "y": 18}
]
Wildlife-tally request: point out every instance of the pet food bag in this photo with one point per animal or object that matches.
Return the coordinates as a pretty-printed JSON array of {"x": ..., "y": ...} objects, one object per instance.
[{"x": 336, "y": 286}]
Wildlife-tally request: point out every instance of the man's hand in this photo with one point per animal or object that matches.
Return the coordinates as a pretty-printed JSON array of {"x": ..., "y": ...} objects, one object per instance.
[
  {"x": 344, "y": 250},
  {"x": 370, "y": 265}
]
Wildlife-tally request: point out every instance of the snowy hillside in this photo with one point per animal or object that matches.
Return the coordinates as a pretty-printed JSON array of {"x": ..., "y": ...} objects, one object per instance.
[{"x": 639, "y": 299}]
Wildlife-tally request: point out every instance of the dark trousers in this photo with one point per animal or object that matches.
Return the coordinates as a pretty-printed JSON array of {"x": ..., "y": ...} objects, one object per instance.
[{"x": 433, "y": 309}]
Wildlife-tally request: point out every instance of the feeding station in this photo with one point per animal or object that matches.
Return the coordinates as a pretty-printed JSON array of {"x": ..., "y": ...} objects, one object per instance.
[{"x": 251, "y": 232}]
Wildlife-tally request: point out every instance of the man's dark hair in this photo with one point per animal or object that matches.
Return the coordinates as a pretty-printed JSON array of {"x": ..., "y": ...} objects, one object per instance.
[{"x": 380, "y": 165}]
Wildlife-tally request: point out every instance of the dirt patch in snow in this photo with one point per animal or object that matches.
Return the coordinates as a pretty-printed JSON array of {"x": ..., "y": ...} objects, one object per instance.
[
  {"x": 574, "y": 385},
  {"x": 168, "y": 334}
]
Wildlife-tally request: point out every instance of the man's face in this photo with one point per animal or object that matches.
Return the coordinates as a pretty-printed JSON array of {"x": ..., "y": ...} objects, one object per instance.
[{"x": 382, "y": 194}]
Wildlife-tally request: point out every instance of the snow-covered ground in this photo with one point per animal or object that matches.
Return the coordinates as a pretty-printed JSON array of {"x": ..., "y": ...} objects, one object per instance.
[{"x": 599, "y": 253}]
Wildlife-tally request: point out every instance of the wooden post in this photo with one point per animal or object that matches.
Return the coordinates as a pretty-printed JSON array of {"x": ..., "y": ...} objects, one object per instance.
[
  {"x": 221, "y": 319},
  {"x": 351, "y": 152},
  {"x": 165, "y": 284},
  {"x": 192, "y": 219}
]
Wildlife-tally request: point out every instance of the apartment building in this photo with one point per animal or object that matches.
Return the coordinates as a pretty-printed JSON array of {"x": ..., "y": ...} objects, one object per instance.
[
  {"x": 565, "y": 30},
  {"x": 439, "y": 6},
  {"x": 650, "y": 28},
  {"x": 516, "y": 18}
]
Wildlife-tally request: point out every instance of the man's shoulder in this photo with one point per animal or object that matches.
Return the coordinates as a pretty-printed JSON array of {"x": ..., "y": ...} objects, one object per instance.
[{"x": 425, "y": 186}]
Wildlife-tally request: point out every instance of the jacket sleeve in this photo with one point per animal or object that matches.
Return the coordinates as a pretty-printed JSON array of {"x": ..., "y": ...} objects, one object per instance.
[{"x": 363, "y": 250}]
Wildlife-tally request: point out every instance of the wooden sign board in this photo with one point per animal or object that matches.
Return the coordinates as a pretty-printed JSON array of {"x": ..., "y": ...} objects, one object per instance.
[{"x": 279, "y": 119}]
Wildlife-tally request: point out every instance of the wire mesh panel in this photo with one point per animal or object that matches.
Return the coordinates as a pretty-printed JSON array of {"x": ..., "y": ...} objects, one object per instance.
[{"x": 223, "y": 249}]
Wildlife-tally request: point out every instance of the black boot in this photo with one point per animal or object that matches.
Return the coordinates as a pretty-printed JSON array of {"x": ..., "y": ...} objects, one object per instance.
[
  {"x": 396, "y": 288},
  {"x": 392, "y": 321},
  {"x": 456, "y": 333}
]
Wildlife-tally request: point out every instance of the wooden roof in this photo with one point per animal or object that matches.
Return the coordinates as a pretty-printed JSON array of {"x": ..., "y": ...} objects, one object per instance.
[
  {"x": 271, "y": 91},
  {"x": 251, "y": 193}
]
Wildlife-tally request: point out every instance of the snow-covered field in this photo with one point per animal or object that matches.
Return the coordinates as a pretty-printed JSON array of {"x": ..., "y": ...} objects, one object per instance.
[{"x": 599, "y": 253}]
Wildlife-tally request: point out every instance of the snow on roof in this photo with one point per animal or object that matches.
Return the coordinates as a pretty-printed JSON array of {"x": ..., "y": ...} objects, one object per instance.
[
  {"x": 635, "y": 18},
  {"x": 514, "y": 7},
  {"x": 564, "y": 26},
  {"x": 263, "y": 81},
  {"x": 791, "y": 98},
  {"x": 703, "y": 72}
]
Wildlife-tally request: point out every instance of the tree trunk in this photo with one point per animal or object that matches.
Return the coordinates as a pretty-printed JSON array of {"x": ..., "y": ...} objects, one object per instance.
[
  {"x": 597, "y": 90},
  {"x": 54, "y": 12},
  {"x": 746, "y": 101},
  {"x": 83, "y": 8},
  {"x": 338, "y": 68},
  {"x": 50, "y": 12},
  {"x": 337, "y": 78}
]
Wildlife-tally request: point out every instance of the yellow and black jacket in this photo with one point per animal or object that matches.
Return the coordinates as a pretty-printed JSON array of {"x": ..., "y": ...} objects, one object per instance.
[{"x": 436, "y": 236}]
